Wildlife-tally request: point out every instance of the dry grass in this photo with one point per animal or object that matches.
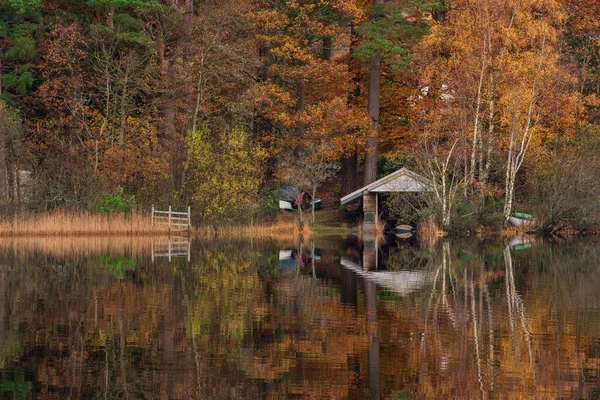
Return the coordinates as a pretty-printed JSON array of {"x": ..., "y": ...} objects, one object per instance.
[
  {"x": 284, "y": 229},
  {"x": 66, "y": 223}
]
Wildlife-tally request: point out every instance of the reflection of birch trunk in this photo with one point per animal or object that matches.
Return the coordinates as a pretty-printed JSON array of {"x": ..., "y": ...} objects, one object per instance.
[
  {"x": 490, "y": 332},
  {"x": 443, "y": 272},
  {"x": 509, "y": 292},
  {"x": 429, "y": 304},
  {"x": 516, "y": 309},
  {"x": 476, "y": 339},
  {"x": 447, "y": 271}
]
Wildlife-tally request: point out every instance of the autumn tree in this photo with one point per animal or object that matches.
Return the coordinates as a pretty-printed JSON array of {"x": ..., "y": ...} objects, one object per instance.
[
  {"x": 224, "y": 169},
  {"x": 304, "y": 94},
  {"x": 499, "y": 69},
  {"x": 387, "y": 38},
  {"x": 583, "y": 25}
]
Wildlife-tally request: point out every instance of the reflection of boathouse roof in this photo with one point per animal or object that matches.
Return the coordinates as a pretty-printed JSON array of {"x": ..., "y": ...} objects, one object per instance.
[{"x": 401, "y": 282}]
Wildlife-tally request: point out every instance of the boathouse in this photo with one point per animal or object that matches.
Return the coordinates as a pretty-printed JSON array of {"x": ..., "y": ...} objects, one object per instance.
[{"x": 403, "y": 180}]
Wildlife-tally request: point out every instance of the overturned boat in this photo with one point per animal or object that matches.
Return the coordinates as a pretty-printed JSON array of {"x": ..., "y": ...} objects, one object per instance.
[{"x": 522, "y": 220}]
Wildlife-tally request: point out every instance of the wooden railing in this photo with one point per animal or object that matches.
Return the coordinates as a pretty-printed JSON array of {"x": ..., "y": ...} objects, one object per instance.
[{"x": 176, "y": 221}]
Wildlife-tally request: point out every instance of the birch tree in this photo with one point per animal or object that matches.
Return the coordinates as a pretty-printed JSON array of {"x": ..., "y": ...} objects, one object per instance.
[{"x": 496, "y": 65}]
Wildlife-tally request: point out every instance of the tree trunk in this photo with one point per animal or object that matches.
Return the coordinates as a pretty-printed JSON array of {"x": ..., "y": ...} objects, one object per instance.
[
  {"x": 312, "y": 206},
  {"x": 300, "y": 219},
  {"x": 17, "y": 199},
  {"x": 471, "y": 175},
  {"x": 490, "y": 139},
  {"x": 373, "y": 110},
  {"x": 510, "y": 193},
  {"x": 110, "y": 17},
  {"x": 327, "y": 48},
  {"x": 349, "y": 171},
  {"x": 4, "y": 175},
  {"x": 349, "y": 174},
  {"x": 122, "y": 111},
  {"x": 188, "y": 16}
]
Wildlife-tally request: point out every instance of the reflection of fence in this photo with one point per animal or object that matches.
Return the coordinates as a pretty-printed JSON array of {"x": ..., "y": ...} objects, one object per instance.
[
  {"x": 176, "y": 246},
  {"x": 176, "y": 221}
]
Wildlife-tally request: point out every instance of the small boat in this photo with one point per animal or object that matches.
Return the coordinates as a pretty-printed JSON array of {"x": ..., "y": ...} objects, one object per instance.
[
  {"x": 522, "y": 220},
  {"x": 404, "y": 231}
]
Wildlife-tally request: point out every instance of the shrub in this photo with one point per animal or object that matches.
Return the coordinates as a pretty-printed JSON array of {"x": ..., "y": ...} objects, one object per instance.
[{"x": 118, "y": 203}]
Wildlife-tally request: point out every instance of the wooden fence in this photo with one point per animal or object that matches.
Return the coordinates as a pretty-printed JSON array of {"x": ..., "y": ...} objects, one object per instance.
[{"x": 176, "y": 221}]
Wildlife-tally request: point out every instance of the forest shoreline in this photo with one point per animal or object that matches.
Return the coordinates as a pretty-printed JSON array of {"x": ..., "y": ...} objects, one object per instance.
[{"x": 63, "y": 223}]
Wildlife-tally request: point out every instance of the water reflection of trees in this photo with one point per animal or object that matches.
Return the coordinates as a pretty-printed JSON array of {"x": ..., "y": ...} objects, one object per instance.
[
  {"x": 488, "y": 327},
  {"x": 231, "y": 324}
]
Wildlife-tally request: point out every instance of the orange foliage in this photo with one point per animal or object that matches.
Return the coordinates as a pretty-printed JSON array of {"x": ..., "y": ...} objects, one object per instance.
[{"x": 305, "y": 95}]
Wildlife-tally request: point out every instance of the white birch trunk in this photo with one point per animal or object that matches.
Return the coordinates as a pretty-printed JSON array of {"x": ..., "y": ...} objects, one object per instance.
[{"x": 471, "y": 176}]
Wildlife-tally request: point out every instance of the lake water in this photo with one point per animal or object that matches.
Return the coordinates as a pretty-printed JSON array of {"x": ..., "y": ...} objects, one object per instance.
[{"x": 109, "y": 318}]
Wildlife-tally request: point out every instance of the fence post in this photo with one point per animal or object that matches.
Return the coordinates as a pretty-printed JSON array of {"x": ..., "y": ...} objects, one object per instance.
[{"x": 169, "y": 219}]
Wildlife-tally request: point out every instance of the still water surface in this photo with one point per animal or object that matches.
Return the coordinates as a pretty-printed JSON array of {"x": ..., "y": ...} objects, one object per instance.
[{"x": 104, "y": 319}]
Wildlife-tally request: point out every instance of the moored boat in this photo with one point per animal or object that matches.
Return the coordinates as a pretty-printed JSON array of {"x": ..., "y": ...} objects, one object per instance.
[{"x": 522, "y": 220}]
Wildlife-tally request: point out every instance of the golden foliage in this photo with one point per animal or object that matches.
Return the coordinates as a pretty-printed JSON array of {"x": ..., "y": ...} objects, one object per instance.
[{"x": 225, "y": 170}]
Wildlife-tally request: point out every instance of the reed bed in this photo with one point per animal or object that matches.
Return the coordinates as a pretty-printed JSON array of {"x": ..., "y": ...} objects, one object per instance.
[{"x": 67, "y": 223}]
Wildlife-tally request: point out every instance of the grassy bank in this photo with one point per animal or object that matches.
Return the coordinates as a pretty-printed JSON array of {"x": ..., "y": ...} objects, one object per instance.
[{"x": 284, "y": 229}]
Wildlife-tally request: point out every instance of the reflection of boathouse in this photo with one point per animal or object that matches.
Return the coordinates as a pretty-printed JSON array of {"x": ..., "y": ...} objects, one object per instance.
[{"x": 400, "y": 282}]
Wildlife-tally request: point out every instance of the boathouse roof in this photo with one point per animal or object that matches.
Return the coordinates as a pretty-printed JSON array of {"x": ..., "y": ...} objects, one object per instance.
[{"x": 403, "y": 180}]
